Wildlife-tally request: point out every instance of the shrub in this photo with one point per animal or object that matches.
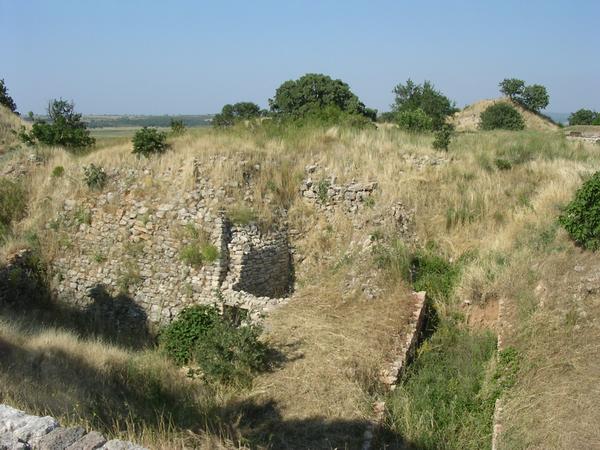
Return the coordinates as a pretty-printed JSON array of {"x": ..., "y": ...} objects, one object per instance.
[
  {"x": 148, "y": 141},
  {"x": 65, "y": 128},
  {"x": 443, "y": 137},
  {"x": 13, "y": 203},
  {"x": 312, "y": 92},
  {"x": 583, "y": 117},
  {"x": 177, "y": 127},
  {"x": 424, "y": 97},
  {"x": 5, "y": 99},
  {"x": 581, "y": 217},
  {"x": 231, "y": 354},
  {"x": 94, "y": 177},
  {"x": 58, "y": 172},
  {"x": 414, "y": 120},
  {"x": 179, "y": 338},
  {"x": 221, "y": 350},
  {"x": 501, "y": 116}
]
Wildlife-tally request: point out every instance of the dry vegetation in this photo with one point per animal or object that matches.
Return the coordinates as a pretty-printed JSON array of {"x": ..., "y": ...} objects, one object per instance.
[
  {"x": 468, "y": 118},
  {"x": 491, "y": 205}
]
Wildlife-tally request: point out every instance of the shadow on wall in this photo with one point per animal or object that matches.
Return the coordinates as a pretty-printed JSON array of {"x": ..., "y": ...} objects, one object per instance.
[{"x": 25, "y": 295}]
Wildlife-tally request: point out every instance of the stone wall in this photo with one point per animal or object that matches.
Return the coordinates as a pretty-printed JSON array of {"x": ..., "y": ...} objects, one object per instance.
[
  {"x": 260, "y": 265},
  {"x": 121, "y": 244},
  {"x": 21, "y": 431}
]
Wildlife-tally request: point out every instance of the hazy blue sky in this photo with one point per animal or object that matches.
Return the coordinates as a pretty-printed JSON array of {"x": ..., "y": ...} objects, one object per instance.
[{"x": 152, "y": 57}]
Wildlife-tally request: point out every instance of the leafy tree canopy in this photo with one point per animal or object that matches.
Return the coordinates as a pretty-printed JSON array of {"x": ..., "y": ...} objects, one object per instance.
[
  {"x": 314, "y": 92},
  {"x": 412, "y": 97},
  {"x": 65, "y": 128},
  {"x": 534, "y": 97},
  {"x": 6, "y": 99},
  {"x": 584, "y": 117},
  {"x": 512, "y": 87},
  {"x": 231, "y": 114}
]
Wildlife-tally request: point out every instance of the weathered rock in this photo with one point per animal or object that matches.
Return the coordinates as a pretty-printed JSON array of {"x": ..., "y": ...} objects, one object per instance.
[
  {"x": 60, "y": 438},
  {"x": 9, "y": 441},
  {"x": 35, "y": 428},
  {"x": 90, "y": 441},
  {"x": 116, "y": 444}
]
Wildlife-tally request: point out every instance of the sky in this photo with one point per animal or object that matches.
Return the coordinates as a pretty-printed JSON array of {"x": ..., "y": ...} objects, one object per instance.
[{"x": 192, "y": 57}]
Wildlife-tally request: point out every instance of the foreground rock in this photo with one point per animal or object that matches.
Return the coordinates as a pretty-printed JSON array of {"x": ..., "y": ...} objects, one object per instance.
[{"x": 21, "y": 431}]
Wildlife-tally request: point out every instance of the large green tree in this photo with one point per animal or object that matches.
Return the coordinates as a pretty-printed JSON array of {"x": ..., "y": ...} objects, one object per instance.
[
  {"x": 6, "y": 99},
  {"x": 231, "y": 114},
  {"x": 65, "y": 128},
  {"x": 411, "y": 97},
  {"x": 534, "y": 97},
  {"x": 584, "y": 117},
  {"x": 313, "y": 93},
  {"x": 512, "y": 87}
]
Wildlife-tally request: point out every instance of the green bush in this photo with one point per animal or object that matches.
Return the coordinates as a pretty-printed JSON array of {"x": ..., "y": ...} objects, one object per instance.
[
  {"x": 65, "y": 128},
  {"x": 94, "y": 177},
  {"x": 581, "y": 217},
  {"x": 58, "y": 172},
  {"x": 221, "y": 351},
  {"x": 414, "y": 120},
  {"x": 424, "y": 97},
  {"x": 501, "y": 116},
  {"x": 503, "y": 164},
  {"x": 443, "y": 136},
  {"x": 231, "y": 354},
  {"x": 179, "y": 338},
  {"x": 13, "y": 203},
  {"x": 149, "y": 141}
]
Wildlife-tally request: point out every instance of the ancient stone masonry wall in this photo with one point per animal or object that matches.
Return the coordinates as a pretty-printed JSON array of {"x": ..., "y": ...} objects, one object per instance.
[
  {"x": 258, "y": 264},
  {"x": 21, "y": 431},
  {"x": 131, "y": 246}
]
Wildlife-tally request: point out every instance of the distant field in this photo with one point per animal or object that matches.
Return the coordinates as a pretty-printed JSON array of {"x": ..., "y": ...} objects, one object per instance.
[{"x": 114, "y": 132}]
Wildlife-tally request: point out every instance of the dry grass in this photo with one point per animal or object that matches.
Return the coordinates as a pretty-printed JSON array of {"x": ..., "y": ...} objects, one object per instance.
[
  {"x": 468, "y": 118},
  {"x": 9, "y": 124},
  {"x": 334, "y": 341}
]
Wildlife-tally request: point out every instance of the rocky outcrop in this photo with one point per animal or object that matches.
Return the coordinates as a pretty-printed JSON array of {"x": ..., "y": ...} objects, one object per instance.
[{"x": 21, "y": 431}]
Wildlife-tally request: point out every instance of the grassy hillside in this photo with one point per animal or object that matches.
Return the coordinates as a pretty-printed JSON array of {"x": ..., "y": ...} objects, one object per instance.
[
  {"x": 485, "y": 232},
  {"x": 468, "y": 118},
  {"x": 9, "y": 124}
]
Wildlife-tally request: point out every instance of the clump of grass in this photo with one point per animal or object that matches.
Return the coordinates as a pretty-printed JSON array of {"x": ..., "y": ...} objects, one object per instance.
[
  {"x": 13, "y": 204},
  {"x": 242, "y": 215},
  {"x": 94, "y": 176},
  {"x": 443, "y": 402},
  {"x": 129, "y": 276},
  {"x": 58, "y": 172}
]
